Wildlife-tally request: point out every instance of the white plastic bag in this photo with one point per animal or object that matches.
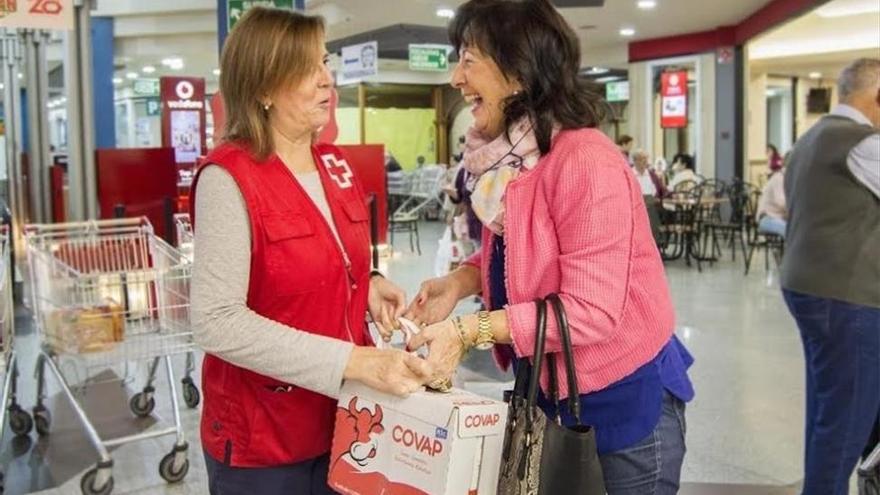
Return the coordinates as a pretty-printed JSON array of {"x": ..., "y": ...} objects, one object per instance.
[{"x": 444, "y": 253}]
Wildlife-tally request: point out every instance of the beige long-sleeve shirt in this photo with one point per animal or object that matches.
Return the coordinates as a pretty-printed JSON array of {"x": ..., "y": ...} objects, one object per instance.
[
  {"x": 772, "y": 201},
  {"x": 223, "y": 325}
]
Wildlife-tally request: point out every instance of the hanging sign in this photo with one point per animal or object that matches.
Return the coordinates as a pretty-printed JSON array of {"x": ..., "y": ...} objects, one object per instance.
[
  {"x": 673, "y": 93},
  {"x": 359, "y": 61}
]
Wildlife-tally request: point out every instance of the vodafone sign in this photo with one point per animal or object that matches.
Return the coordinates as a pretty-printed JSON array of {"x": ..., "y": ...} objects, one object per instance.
[
  {"x": 37, "y": 14},
  {"x": 183, "y": 117}
]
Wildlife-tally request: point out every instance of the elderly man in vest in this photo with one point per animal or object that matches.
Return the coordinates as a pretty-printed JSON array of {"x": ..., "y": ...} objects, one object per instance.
[{"x": 831, "y": 276}]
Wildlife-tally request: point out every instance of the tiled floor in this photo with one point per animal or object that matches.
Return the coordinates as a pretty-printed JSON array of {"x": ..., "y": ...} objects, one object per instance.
[{"x": 744, "y": 427}]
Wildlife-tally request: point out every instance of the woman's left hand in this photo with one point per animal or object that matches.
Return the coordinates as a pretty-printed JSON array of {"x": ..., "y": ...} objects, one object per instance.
[
  {"x": 445, "y": 351},
  {"x": 387, "y": 302}
]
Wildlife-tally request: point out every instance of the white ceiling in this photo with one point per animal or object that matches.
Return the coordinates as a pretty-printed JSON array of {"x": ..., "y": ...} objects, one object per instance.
[
  {"x": 147, "y": 32},
  {"x": 824, "y": 40}
]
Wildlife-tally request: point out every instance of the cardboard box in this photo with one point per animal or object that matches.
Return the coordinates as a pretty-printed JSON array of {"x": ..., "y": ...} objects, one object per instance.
[{"x": 428, "y": 443}]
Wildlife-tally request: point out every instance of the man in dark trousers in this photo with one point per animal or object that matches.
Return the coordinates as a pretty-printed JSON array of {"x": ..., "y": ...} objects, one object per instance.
[{"x": 831, "y": 276}]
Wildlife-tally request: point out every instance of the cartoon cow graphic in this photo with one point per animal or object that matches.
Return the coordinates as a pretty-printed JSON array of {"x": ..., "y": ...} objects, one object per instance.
[{"x": 355, "y": 445}]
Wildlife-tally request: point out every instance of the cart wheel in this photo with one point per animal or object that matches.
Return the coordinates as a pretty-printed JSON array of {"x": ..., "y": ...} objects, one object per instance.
[
  {"x": 42, "y": 420},
  {"x": 141, "y": 405},
  {"x": 166, "y": 469},
  {"x": 191, "y": 393},
  {"x": 87, "y": 484},
  {"x": 20, "y": 421}
]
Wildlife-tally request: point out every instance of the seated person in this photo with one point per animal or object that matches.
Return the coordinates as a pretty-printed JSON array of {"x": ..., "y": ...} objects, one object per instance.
[
  {"x": 683, "y": 169},
  {"x": 391, "y": 164},
  {"x": 772, "y": 214},
  {"x": 648, "y": 180}
]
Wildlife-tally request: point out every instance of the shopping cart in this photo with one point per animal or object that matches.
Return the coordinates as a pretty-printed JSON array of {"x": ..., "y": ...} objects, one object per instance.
[
  {"x": 106, "y": 293},
  {"x": 869, "y": 473},
  {"x": 20, "y": 421},
  {"x": 185, "y": 237}
]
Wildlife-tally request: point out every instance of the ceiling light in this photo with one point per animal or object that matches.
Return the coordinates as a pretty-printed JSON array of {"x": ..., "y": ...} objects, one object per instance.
[
  {"x": 845, "y": 8},
  {"x": 627, "y": 32},
  {"x": 216, "y": 72},
  {"x": 148, "y": 69},
  {"x": 2, "y": 86},
  {"x": 445, "y": 13},
  {"x": 607, "y": 79},
  {"x": 770, "y": 93},
  {"x": 647, "y": 4},
  {"x": 132, "y": 75},
  {"x": 815, "y": 75},
  {"x": 174, "y": 63},
  {"x": 117, "y": 80},
  {"x": 20, "y": 75},
  {"x": 595, "y": 71}
]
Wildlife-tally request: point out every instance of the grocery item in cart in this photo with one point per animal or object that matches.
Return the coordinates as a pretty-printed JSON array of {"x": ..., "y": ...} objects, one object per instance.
[{"x": 86, "y": 329}]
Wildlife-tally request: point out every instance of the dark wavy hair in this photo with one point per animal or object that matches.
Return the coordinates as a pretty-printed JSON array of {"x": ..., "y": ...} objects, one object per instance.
[{"x": 531, "y": 43}]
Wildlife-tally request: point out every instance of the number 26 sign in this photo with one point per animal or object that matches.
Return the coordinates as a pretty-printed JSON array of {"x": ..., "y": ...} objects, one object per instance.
[{"x": 37, "y": 14}]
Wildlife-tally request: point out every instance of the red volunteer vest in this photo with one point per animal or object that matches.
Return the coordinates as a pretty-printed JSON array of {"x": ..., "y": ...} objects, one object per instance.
[{"x": 298, "y": 277}]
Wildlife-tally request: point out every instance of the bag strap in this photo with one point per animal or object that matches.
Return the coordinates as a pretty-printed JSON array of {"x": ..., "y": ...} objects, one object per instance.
[
  {"x": 535, "y": 378},
  {"x": 554, "y": 386},
  {"x": 574, "y": 404}
]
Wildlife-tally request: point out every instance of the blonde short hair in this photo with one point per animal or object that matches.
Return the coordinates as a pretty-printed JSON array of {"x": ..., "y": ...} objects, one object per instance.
[{"x": 267, "y": 50}]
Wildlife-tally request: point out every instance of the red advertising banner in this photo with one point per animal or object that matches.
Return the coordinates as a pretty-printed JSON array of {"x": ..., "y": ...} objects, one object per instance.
[
  {"x": 183, "y": 117},
  {"x": 673, "y": 94}
]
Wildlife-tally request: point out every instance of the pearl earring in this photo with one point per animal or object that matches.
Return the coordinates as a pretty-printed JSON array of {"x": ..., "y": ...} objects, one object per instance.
[{"x": 266, "y": 106}]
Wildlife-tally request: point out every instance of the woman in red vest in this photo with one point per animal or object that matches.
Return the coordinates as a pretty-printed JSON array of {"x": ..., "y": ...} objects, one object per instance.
[{"x": 282, "y": 280}]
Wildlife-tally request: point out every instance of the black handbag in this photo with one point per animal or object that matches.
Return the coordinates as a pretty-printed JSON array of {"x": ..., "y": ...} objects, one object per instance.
[{"x": 540, "y": 456}]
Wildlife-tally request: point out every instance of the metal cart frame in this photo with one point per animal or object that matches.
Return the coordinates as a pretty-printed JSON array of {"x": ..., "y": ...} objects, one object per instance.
[
  {"x": 104, "y": 293},
  {"x": 20, "y": 422}
]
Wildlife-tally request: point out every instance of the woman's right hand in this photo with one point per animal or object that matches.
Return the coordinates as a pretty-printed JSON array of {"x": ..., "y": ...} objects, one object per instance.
[
  {"x": 388, "y": 370},
  {"x": 435, "y": 301}
]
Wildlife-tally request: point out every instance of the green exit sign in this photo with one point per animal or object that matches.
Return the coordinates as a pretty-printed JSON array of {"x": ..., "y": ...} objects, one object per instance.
[
  {"x": 146, "y": 87},
  {"x": 428, "y": 57},
  {"x": 236, "y": 8}
]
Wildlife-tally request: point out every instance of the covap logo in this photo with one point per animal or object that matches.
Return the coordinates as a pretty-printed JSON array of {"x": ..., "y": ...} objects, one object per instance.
[{"x": 185, "y": 90}]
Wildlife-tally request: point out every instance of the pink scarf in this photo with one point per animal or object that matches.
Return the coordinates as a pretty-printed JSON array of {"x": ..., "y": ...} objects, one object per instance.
[{"x": 493, "y": 165}]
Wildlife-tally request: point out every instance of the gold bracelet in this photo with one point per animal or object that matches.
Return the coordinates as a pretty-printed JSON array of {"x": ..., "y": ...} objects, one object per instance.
[{"x": 465, "y": 347}]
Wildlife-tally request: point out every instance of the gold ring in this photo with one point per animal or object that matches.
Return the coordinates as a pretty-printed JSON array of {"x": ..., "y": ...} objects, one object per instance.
[{"x": 441, "y": 385}]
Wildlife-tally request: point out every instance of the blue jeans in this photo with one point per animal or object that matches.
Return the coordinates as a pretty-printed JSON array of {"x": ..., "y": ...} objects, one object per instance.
[
  {"x": 772, "y": 225},
  {"x": 652, "y": 466},
  {"x": 842, "y": 353},
  {"x": 303, "y": 478}
]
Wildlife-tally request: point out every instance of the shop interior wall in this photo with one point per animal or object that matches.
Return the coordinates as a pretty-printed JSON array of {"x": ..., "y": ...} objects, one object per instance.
[
  {"x": 644, "y": 110},
  {"x": 805, "y": 120},
  {"x": 406, "y": 132},
  {"x": 756, "y": 128},
  {"x": 757, "y": 118}
]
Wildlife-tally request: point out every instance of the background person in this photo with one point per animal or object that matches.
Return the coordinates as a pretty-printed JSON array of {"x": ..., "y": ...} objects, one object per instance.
[{"x": 830, "y": 275}]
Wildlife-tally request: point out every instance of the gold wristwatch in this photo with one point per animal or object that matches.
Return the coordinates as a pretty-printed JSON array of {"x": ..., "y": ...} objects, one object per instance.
[{"x": 485, "y": 339}]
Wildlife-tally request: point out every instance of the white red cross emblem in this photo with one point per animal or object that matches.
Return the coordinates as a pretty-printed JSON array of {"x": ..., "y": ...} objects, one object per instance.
[{"x": 339, "y": 170}]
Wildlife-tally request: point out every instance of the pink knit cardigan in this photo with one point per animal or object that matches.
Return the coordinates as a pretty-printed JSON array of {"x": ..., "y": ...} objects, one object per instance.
[{"x": 576, "y": 225}]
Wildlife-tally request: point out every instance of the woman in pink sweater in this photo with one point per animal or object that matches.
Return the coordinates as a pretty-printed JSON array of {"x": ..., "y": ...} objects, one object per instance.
[{"x": 562, "y": 213}]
